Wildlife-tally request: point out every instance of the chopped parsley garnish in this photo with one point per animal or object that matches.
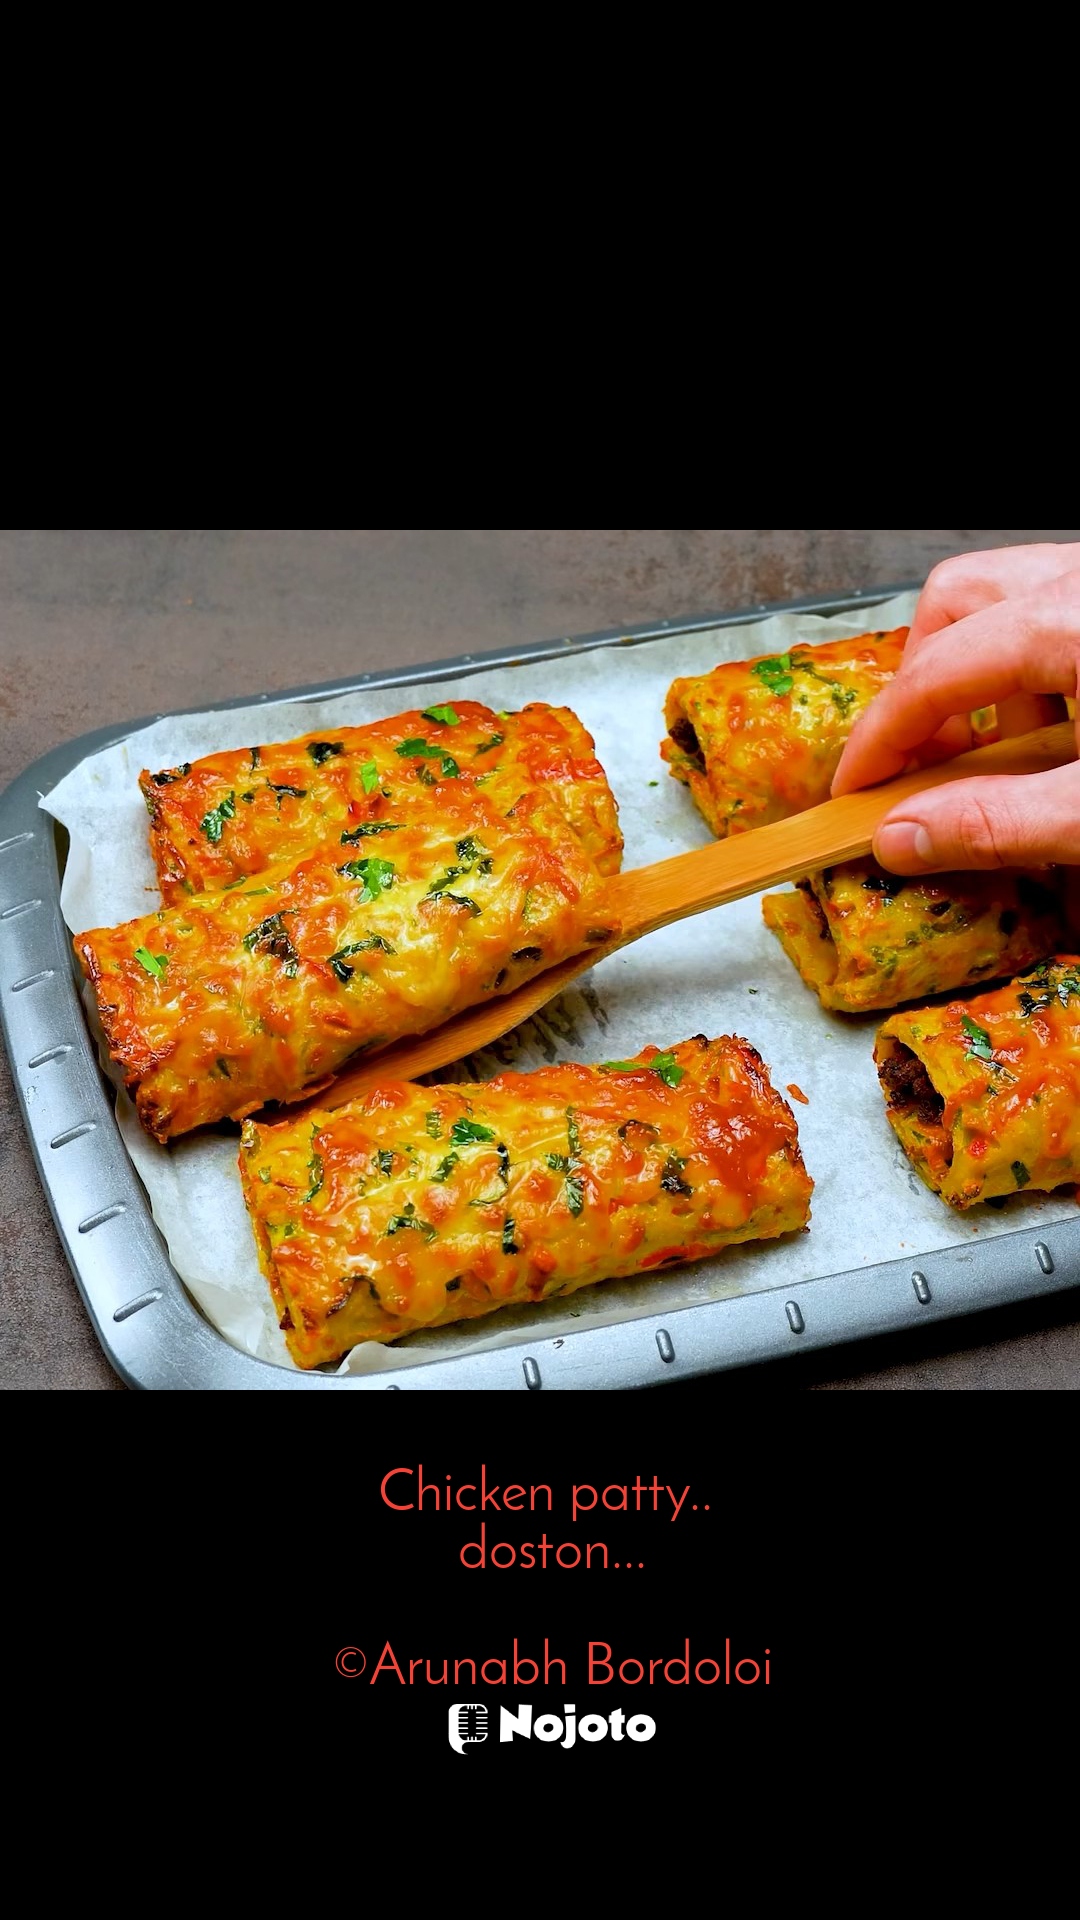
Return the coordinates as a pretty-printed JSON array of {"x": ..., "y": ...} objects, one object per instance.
[
  {"x": 254, "y": 758},
  {"x": 369, "y": 774},
  {"x": 570, "y": 1165},
  {"x": 425, "y": 750},
  {"x": 321, "y": 750},
  {"x": 463, "y": 1131},
  {"x": 213, "y": 823},
  {"x": 471, "y": 856},
  {"x": 671, "y": 1179},
  {"x": 399, "y": 1222},
  {"x": 842, "y": 697},
  {"x": 171, "y": 774},
  {"x": 434, "y": 1125},
  {"x": 315, "y": 1169},
  {"x": 980, "y": 1047},
  {"x": 664, "y": 1064},
  {"x": 377, "y": 875},
  {"x": 509, "y": 1244},
  {"x": 286, "y": 792},
  {"x": 152, "y": 963},
  {"x": 384, "y": 1160},
  {"x": 271, "y": 937},
  {"x": 486, "y": 745},
  {"x": 445, "y": 715},
  {"x": 264, "y": 1176},
  {"x": 1020, "y": 1173},
  {"x": 223, "y": 1066},
  {"x": 1050, "y": 989},
  {"x": 339, "y": 961},
  {"x": 446, "y": 1167},
  {"x": 366, "y": 829},
  {"x": 775, "y": 673},
  {"x": 504, "y": 1163}
]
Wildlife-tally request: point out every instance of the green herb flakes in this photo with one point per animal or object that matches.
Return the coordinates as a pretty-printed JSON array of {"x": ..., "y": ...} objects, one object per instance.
[
  {"x": 446, "y": 1167},
  {"x": 775, "y": 673},
  {"x": 664, "y": 1064},
  {"x": 434, "y": 1125},
  {"x": 980, "y": 1047},
  {"x": 338, "y": 962},
  {"x": 213, "y": 823},
  {"x": 426, "y": 750},
  {"x": 1020, "y": 1173},
  {"x": 315, "y": 1170},
  {"x": 444, "y": 715},
  {"x": 377, "y": 876},
  {"x": 271, "y": 937},
  {"x": 671, "y": 1179},
  {"x": 365, "y": 830},
  {"x": 463, "y": 1131},
  {"x": 321, "y": 750},
  {"x": 152, "y": 963},
  {"x": 401, "y": 1222}
]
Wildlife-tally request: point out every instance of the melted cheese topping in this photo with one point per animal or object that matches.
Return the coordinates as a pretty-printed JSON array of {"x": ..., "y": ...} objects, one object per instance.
[
  {"x": 231, "y": 815},
  {"x": 417, "y": 1206},
  {"x": 260, "y": 992},
  {"x": 758, "y": 740},
  {"x": 864, "y": 939},
  {"x": 1005, "y": 1070}
]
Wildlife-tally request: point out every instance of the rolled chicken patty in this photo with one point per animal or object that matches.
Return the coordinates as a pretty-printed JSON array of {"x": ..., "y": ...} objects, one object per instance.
[
  {"x": 758, "y": 740},
  {"x": 416, "y": 1206},
  {"x": 229, "y": 816},
  {"x": 213, "y": 1007},
  {"x": 863, "y": 939},
  {"x": 984, "y": 1094}
]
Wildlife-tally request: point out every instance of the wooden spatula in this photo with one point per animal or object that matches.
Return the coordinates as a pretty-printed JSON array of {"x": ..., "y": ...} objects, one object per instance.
[{"x": 651, "y": 897}]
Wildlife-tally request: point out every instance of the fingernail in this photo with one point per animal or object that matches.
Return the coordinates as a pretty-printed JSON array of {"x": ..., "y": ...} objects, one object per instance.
[{"x": 903, "y": 843}]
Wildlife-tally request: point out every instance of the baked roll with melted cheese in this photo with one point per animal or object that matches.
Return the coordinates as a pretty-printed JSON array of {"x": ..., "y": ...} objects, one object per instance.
[
  {"x": 260, "y": 992},
  {"x": 416, "y": 1206},
  {"x": 758, "y": 740},
  {"x": 984, "y": 1095},
  {"x": 864, "y": 939},
  {"x": 223, "y": 819}
]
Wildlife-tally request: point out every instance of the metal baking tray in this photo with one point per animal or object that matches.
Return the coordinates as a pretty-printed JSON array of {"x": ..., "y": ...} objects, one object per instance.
[{"x": 144, "y": 1317}]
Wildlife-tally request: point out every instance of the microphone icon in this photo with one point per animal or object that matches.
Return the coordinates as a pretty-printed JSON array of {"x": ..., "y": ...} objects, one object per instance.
[{"x": 467, "y": 1725}]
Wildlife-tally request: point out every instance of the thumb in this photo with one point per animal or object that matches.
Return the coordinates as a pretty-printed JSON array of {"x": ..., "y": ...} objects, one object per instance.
[{"x": 1028, "y": 820}]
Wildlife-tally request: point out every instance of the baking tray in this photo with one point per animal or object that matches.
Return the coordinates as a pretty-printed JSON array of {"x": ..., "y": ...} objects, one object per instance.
[{"x": 144, "y": 1317}]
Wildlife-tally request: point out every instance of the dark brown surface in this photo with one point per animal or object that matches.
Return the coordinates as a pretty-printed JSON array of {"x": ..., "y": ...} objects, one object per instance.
[{"x": 101, "y": 627}]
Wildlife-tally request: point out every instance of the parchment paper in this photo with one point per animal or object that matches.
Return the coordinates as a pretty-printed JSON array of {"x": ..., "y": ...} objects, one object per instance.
[{"x": 721, "y": 972}]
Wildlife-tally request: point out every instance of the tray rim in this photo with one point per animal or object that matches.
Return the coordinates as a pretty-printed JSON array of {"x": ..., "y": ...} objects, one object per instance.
[{"x": 149, "y": 1327}]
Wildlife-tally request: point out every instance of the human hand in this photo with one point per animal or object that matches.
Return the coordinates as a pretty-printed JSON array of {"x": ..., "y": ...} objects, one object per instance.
[{"x": 1003, "y": 628}]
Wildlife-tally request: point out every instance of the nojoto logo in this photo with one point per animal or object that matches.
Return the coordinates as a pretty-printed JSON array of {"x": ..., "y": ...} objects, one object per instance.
[{"x": 467, "y": 1725}]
